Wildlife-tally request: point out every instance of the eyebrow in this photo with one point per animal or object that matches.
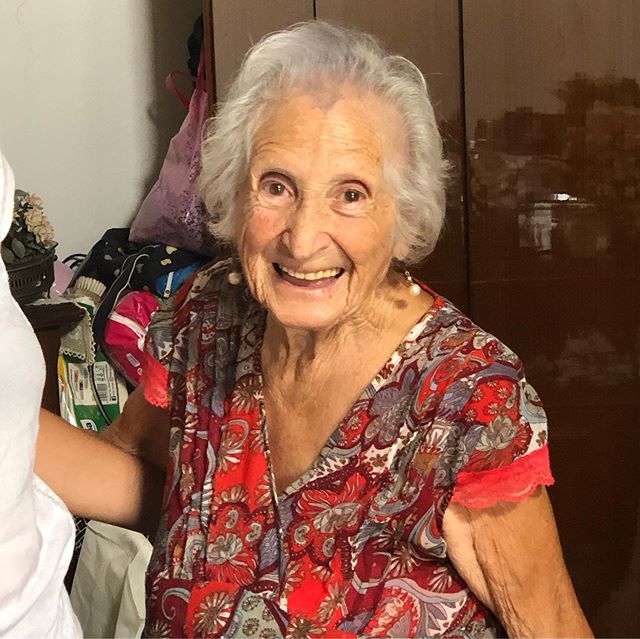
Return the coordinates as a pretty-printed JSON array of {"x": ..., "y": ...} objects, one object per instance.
[
  {"x": 351, "y": 177},
  {"x": 279, "y": 170}
]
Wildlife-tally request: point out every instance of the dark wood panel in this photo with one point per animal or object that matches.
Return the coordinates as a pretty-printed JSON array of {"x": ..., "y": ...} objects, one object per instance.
[
  {"x": 427, "y": 33},
  {"x": 553, "y": 119},
  {"x": 237, "y": 24}
]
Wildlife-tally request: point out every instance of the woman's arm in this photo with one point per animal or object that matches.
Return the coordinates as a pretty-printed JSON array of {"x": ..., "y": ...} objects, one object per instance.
[
  {"x": 96, "y": 479},
  {"x": 510, "y": 557}
]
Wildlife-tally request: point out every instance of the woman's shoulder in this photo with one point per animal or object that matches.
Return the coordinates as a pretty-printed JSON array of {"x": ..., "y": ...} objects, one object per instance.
[
  {"x": 215, "y": 287},
  {"x": 449, "y": 338},
  {"x": 475, "y": 382},
  {"x": 205, "y": 284},
  {"x": 215, "y": 298}
]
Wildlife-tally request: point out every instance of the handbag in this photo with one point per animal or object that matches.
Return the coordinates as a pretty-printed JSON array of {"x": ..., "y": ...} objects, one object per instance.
[{"x": 172, "y": 213}]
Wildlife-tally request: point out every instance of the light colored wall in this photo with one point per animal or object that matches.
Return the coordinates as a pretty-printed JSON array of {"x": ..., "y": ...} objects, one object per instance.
[{"x": 85, "y": 119}]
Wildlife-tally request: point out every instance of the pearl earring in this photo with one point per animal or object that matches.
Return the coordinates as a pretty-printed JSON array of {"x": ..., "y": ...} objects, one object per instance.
[
  {"x": 234, "y": 278},
  {"x": 414, "y": 289}
]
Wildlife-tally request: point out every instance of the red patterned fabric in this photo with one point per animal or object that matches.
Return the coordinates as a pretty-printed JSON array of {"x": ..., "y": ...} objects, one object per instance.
[
  {"x": 353, "y": 547},
  {"x": 512, "y": 483}
]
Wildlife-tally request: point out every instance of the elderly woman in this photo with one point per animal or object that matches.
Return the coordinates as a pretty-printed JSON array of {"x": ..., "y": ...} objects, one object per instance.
[{"x": 348, "y": 454}]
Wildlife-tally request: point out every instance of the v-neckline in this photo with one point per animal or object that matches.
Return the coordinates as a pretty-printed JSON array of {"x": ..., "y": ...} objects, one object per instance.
[{"x": 392, "y": 361}]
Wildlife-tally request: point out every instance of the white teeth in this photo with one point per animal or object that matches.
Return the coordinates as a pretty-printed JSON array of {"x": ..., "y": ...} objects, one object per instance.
[{"x": 318, "y": 275}]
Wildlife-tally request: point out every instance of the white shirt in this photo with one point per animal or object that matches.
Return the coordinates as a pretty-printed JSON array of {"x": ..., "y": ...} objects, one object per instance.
[{"x": 36, "y": 529}]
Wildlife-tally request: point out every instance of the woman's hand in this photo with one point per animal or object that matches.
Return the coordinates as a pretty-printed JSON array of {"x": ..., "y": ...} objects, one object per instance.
[
  {"x": 95, "y": 478},
  {"x": 510, "y": 557},
  {"x": 142, "y": 430}
]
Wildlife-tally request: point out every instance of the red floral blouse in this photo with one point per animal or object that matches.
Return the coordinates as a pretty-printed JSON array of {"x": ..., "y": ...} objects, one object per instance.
[{"x": 353, "y": 548}]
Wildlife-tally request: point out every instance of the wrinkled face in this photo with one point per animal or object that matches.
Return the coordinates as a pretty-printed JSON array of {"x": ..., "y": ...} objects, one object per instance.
[{"x": 315, "y": 219}]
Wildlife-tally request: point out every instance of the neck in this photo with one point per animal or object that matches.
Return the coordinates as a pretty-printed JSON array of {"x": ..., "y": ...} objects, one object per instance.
[{"x": 291, "y": 351}]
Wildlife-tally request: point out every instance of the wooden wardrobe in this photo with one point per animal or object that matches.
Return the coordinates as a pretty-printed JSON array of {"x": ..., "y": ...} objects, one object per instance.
[{"x": 539, "y": 105}]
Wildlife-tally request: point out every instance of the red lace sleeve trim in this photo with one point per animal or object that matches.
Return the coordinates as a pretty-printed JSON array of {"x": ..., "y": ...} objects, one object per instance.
[
  {"x": 511, "y": 483},
  {"x": 155, "y": 382}
]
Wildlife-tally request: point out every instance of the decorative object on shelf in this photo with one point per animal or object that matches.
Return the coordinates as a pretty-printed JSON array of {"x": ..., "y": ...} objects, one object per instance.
[{"x": 28, "y": 251}]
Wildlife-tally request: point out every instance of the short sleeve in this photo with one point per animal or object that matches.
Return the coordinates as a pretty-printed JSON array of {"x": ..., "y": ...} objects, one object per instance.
[
  {"x": 158, "y": 350},
  {"x": 505, "y": 452}
]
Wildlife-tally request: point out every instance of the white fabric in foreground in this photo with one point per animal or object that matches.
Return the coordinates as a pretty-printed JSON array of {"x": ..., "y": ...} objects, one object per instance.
[
  {"x": 36, "y": 529},
  {"x": 108, "y": 591}
]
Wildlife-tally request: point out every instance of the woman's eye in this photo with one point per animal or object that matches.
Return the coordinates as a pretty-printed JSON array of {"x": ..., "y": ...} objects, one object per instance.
[
  {"x": 351, "y": 196},
  {"x": 350, "y": 200},
  {"x": 275, "y": 188},
  {"x": 276, "y": 191}
]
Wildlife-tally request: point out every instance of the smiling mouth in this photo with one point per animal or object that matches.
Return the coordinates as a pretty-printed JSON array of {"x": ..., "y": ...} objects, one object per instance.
[{"x": 311, "y": 279}]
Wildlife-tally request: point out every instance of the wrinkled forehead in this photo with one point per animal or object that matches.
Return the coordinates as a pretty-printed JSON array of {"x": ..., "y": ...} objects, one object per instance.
[{"x": 340, "y": 121}]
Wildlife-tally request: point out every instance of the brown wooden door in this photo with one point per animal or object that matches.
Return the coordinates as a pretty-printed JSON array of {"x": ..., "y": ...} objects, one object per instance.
[
  {"x": 232, "y": 26},
  {"x": 553, "y": 123}
]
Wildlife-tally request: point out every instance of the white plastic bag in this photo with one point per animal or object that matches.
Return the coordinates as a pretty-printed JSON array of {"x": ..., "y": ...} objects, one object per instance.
[{"x": 108, "y": 593}]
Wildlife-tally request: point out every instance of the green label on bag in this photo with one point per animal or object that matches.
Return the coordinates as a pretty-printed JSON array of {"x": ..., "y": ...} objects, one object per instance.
[{"x": 92, "y": 396}]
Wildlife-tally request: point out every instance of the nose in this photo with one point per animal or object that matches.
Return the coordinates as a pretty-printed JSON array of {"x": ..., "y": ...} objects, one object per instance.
[{"x": 305, "y": 234}]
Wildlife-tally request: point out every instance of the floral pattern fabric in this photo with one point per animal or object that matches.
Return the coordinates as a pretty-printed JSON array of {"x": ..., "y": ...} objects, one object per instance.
[{"x": 353, "y": 548}]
